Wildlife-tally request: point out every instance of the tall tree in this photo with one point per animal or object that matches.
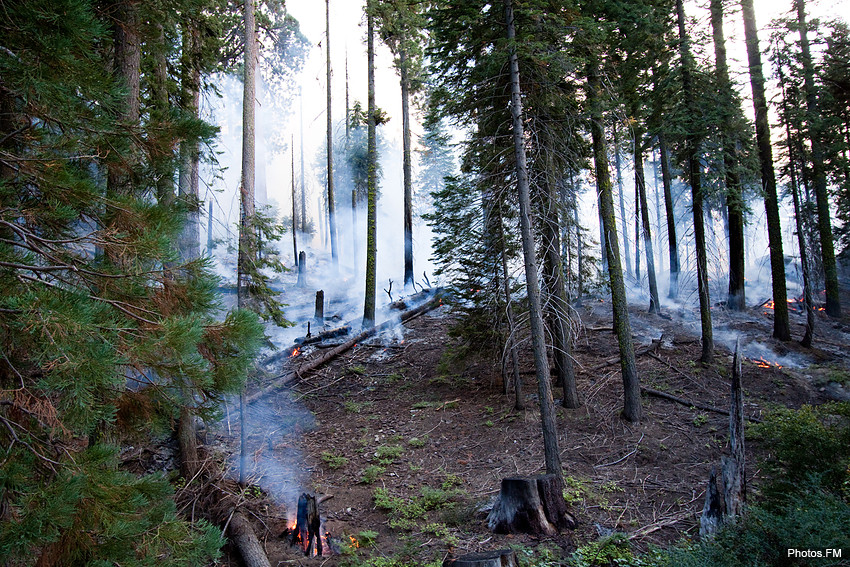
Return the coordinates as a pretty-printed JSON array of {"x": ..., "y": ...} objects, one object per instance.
[
  {"x": 736, "y": 299},
  {"x": 551, "y": 452},
  {"x": 815, "y": 124},
  {"x": 781, "y": 324},
  {"x": 372, "y": 184},
  {"x": 622, "y": 326},
  {"x": 695, "y": 178},
  {"x": 330, "y": 140},
  {"x": 247, "y": 238},
  {"x": 625, "y": 232},
  {"x": 640, "y": 183}
]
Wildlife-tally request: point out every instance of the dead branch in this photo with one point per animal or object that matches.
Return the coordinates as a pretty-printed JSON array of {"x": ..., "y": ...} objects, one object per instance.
[{"x": 688, "y": 403}]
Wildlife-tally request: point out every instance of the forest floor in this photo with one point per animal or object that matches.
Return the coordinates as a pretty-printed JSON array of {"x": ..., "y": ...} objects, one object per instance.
[{"x": 403, "y": 418}]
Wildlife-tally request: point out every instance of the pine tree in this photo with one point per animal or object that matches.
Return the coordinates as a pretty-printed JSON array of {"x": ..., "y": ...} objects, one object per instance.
[{"x": 372, "y": 179}]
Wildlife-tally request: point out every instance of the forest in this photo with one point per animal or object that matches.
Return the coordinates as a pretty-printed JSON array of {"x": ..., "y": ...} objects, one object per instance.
[{"x": 394, "y": 283}]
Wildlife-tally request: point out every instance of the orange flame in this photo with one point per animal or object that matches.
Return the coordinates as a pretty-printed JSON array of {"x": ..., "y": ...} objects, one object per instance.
[
  {"x": 762, "y": 363},
  {"x": 354, "y": 543},
  {"x": 295, "y": 352}
]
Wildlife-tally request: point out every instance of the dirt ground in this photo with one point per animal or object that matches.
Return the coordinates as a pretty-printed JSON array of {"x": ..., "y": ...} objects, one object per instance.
[{"x": 433, "y": 435}]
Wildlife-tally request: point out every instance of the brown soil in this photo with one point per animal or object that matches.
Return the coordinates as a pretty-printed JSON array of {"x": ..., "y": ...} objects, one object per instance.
[{"x": 457, "y": 432}]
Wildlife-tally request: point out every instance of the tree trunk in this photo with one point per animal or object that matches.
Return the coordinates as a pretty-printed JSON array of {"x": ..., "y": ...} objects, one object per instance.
[
  {"x": 246, "y": 230},
  {"x": 781, "y": 325},
  {"x": 551, "y": 452},
  {"x": 637, "y": 231},
  {"x": 519, "y": 509},
  {"x": 622, "y": 327},
  {"x": 696, "y": 192},
  {"x": 303, "y": 181},
  {"x": 733, "y": 466},
  {"x": 127, "y": 64},
  {"x": 330, "y": 135},
  {"x": 371, "y": 206},
  {"x": 406, "y": 167},
  {"x": 640, "y": 183},
  {"x": 814, "y": 122},
  {"x": 294, "y": 209},
  {"x": 558, "y": 307},
  {"x": 189, "y": 172},
  {"x": 672, "y": 241},
  {"x": 736, "y": 299},
  {"x": 519, "y": 400},
  {"x": 798, "y": 215},
  {"x": 622, "y": 201}
]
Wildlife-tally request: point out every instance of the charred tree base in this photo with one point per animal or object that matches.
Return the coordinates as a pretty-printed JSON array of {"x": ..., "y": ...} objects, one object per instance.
[
  {"x": 532, "y": 506},
  {"x": 500, "y": 558}
]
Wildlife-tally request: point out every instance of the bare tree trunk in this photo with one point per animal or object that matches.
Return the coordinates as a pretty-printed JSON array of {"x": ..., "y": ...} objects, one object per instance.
[
  {"x": 640, "y": 183},
  {"x": 798, "y": 215},
  {"x": 246, "y": 230},
  {"x": 371, "y": 207},
  {"x": 557, "y": 295},
  {"x": 330, "y": 134},
  {"x": 406, "y": 166},
  {"x": 622, "y": 327},
  {"x": 622, "y": 201},
  {"x": 736, "y": 299},
  {"x": 815, "y": 127},
  {"x": 637, "y": 231},
  {"x": 303, "y": 182},
  {"x": 127, "y": 63},
  {"x": 519, "y": 400},
  {"x": 294, "y": 208},
  {"x": 672, "y": 241},
  {"x": 189, "y": 172},
  {"x": 695, "y": 172},
  {"x": 781, "y": 325},
  {"x": 551, "y": 452}
]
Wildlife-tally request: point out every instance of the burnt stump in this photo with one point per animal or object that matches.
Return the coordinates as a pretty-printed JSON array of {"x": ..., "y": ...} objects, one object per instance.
[
  {"x": 532, "y": 506},
  {"x": 500, "y": 558}
]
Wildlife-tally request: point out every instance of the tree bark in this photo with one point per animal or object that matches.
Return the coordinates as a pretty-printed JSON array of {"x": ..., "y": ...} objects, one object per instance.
[
  {"x": 519, "y": 509},
  {"x": 781, "y": 324},
  {"x": 557, "y": 295},
  {"x": 808, "y": 335},
  {"x": 246, "y": 542},
  {"x": 736, "y": 299},
  {"x": 371, "y": 206},
  {"x": 695, "y": 173},
  {"x": 672, "y": 241},
  {"x": 622, "y": 327},
  {"x": 189, "y": 172},
  {"x": 406, "y": 167},
  {"x": 622, "y": 201},
  {"x": 519, "y": 400},
  {"x": 330, "y": 135},
  {"x": 551, "y": 452},
  {"x": 127, "y": 63},
  {"x": 815, "y": 127},
  {"x": 640, "y": 183}
]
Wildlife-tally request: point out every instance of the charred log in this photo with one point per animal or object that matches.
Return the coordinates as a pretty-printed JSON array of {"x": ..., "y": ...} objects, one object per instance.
[
  {"x": 319, "y": 315},
  {"x": 500, "y": 558},
  {"x": 307, "y": 526},
  {"x": 246, "y": 542}
]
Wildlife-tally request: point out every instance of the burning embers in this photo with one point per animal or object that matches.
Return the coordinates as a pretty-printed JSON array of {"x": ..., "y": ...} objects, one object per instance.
[
  {"x": 762, "y": 363},
  {"x": 797, "y": 305},
  {"x": 295, "y": 352}
]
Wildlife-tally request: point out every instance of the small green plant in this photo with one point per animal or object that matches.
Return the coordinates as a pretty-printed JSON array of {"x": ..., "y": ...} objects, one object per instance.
[
  {"x": 371, "y": 473},
  {"x": 489, "y": 423},
  {"x": 357, "y": 369},
  {"x": 700, "y": 420},
  {"x": 367, "y": 538},
  {"x": 611, "y": 550},
  {"x": 422, "y": 405},
  {"x": 451, "y": 481},
  {"x": 387, "y": 454},
  {"x": 416, "y": 442},
  {"x": 576, "y": 490},
  {"x": 334, "y": 461},
  {"x": 406, "y": 514}
]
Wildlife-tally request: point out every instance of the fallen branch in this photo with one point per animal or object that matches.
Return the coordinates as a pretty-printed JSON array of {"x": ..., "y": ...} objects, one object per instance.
[
  {"x": 246, "y": 541},
  {"x": 300, "y": 370},
  {"x": 689, "y": 403}
]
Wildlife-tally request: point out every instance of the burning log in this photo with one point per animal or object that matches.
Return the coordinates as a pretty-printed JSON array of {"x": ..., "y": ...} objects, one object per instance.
[
  {"x": 532, "y": 506},
  {"x": 308, "y": 525},
  {"x": 500, "y": 558}
]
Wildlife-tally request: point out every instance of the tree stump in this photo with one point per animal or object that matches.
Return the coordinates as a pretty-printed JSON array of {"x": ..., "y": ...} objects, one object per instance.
[
  {"x": 500, "y": 558},
  {"x": 319, "y": 315},
  {"x": 302, "y": 270},
  {"x": 530, "y": 505}
]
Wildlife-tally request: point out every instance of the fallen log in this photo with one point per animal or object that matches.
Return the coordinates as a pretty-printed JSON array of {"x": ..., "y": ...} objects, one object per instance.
[
  {"x": 305, "y": 367},
  {"x": 246, "y": 542},
  {"x": 500, "y": 558}
]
